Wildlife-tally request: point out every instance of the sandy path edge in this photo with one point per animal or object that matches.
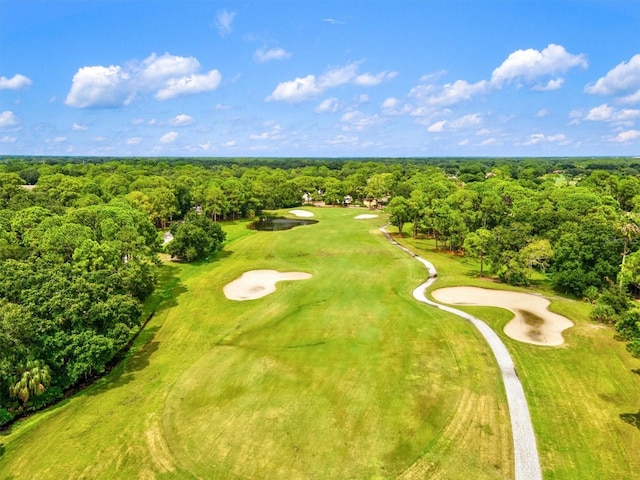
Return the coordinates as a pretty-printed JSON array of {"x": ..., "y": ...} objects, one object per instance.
[{"x": 525, "y": 449}]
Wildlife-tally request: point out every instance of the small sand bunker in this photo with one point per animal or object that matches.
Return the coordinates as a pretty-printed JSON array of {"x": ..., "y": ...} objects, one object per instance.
[
  {"x": 301, "y": 213},
  {"x": 533, "y": 322},
  {"x": 259, "y": 283},
  {"x": 365, "y": 215}
]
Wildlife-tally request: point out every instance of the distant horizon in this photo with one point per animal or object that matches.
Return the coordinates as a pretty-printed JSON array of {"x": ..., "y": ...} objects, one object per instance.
[{"x": 323, "y": 79}]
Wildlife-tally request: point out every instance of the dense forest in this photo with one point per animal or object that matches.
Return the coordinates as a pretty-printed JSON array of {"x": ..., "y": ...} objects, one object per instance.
[{"x": 80, "y": 238}]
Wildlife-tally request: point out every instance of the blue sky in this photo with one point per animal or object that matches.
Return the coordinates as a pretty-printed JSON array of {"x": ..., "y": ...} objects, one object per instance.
[{"x": 320, "y": 78}]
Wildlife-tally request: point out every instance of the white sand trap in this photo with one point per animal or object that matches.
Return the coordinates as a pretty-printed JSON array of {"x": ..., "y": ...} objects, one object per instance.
[
  {"x": 259, "y": 283},
  {"x": 301, "y": 213},
  {"x": 365, "y": 215},
  {"x": 533, "y": 322}
]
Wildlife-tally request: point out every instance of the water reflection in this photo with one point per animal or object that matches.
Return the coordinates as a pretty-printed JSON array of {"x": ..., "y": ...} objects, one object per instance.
[{"x": 271, "y": 224}]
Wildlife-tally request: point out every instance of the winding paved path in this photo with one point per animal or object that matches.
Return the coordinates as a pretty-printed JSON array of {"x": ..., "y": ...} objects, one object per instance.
[{"x": 527, "y": 463}]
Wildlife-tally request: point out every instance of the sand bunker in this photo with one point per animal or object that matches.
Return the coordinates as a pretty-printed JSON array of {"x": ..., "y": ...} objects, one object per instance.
[
  {"x": 365, "y": 215},
  {"x": 533, "y": 322},
  {"x": 301, "y": 213},
  {"x": 259, "y": 283}
]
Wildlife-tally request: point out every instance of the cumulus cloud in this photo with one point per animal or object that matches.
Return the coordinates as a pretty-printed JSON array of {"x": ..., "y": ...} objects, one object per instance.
[
  {"x": 449, "y": 93},
  {"x": 274, "y": 134},
  {"x": 114, "y": 86},
  {"x": 306, "y": 88},
  {"x": 9, "y": 120},
  {"x": 553, "y": 84},
  {"x": 437, "y": 126},
  {"x": 182, "y": 120},
  {"x": 169, "y": 137},
  {"x": 369, "y": 80},
  {"x": 79, "y": 127},
  {"x": 134, "y": 141},
  {"x": 530, "y": 64},
  {"x": 101, "y": 87},
  {"x": 262, "y": 55},
  {"x": 626, "y": 136},
  {"x": 16, "y": 82},
  {"x": 465, "y": 121},
  {"x": 157, "y": 69},
  {"x": 606, "y": 113},
  {"x": 223, "y": 22},
  {"x": 328, "y": 105},
  {"x": 541, "y": 138},
  {"x": 189, "y": 85},
  {"x": 623, "y": 79},
  {"x": 355, "y": 120}
]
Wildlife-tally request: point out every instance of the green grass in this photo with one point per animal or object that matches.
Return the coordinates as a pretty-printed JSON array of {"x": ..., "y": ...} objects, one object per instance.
[
  {"x": 584, "y": 397},
  {"x": 343, "y": 375}
]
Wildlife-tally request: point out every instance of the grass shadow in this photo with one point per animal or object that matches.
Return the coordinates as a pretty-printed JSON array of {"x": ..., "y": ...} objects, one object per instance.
[
  {"x": 631, "y": 418},
  {"x": 136, "y": 360}
]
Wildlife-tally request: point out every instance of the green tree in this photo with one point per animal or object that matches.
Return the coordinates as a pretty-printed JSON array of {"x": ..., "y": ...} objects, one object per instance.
[
  {"x": 477, "y": 245},
  {"x": 195, "y": 238}
]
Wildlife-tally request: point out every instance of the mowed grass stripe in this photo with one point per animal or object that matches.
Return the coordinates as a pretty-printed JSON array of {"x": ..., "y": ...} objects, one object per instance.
[
  {"x": 578, "y": 393},
  {"x": 343, "y": 375}
]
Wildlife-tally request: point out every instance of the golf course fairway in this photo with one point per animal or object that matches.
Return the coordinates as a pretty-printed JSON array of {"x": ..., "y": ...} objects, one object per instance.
[{"x": 342, "y": 375}]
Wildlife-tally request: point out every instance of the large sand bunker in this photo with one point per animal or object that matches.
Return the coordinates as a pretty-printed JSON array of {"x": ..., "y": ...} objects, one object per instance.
[
  {"x": 301, "y": 213},
  {"x": 259, "y": 283},
  {"x": 364, "y": 216},
  {"x": 533, "y": 322}
]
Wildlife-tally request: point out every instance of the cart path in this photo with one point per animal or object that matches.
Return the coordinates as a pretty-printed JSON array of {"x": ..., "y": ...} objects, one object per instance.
[{"x": 526, "y": 460}]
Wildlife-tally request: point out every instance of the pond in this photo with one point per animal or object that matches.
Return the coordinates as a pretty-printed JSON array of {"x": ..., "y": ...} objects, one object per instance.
[{"x": 272, "y": 224}]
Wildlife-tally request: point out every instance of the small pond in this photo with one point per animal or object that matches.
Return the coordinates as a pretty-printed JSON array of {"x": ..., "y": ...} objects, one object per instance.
[{"x": 271, "y": 224}]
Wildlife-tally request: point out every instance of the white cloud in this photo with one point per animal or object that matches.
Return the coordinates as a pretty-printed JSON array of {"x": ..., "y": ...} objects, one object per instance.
[
  {"x": 363, "y": 98},
  {"x": 9, "y": 120},
  {"x": 437, "y": 127},
  {"x": 488, "y": 141},
  {"x": 449, "y": 93},
  {"x": 464, "y": 142},
  {"x": 328, "y": 105},
  {"x": 99, "y": 139},
  {"x": 100, "y": 87},
  {"x": 297, "y": 90},
  {"x": 158, "y": 69},
  {"x": 465, "y": 121},
  {"x": 541, "y": 138},
  {"x": 369, "y": 80},
  {"x": 543, "y": 112},
  {"x": 59, "y": 139},
  {"x": 274, "y": 134},
  {"x": 220, "y": 106},
  {"x": 623, "y": 79},
  {"x": 230, "y": 143},
  {"x": 627, "y": 136},
  {"x": 306, "y": 88},
  {"x": 134, "y": 141},
  {"x": 8, "y": 139},
  {"x": 182, "y": 120},
  {"x": 261, "y": 55},
  {"x": 553, "y": 84},
  {"x": 189, "y": 85},
  {"x": 79, "y": 127},
  {"x": 223, "y": 22},
  {"x": 16, "y": 82},
  {"x": 114, "y": 86},
  {"x": 342, "y": 140},
  {"x": 606, "y": 113},
  {"x": 356, "y": 120},
  {"x": 528, "y": 65},
  {"x": 169, "y": 137}
]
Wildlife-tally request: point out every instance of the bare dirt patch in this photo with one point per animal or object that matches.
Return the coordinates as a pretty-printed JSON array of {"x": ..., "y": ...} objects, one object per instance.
[
  {"x": 533, "y": 322},
  {"x": 259, "y": 283}
]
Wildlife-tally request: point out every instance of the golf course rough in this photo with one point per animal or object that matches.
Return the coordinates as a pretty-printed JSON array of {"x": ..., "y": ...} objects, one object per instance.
[{"x": 527, "y": 462}]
